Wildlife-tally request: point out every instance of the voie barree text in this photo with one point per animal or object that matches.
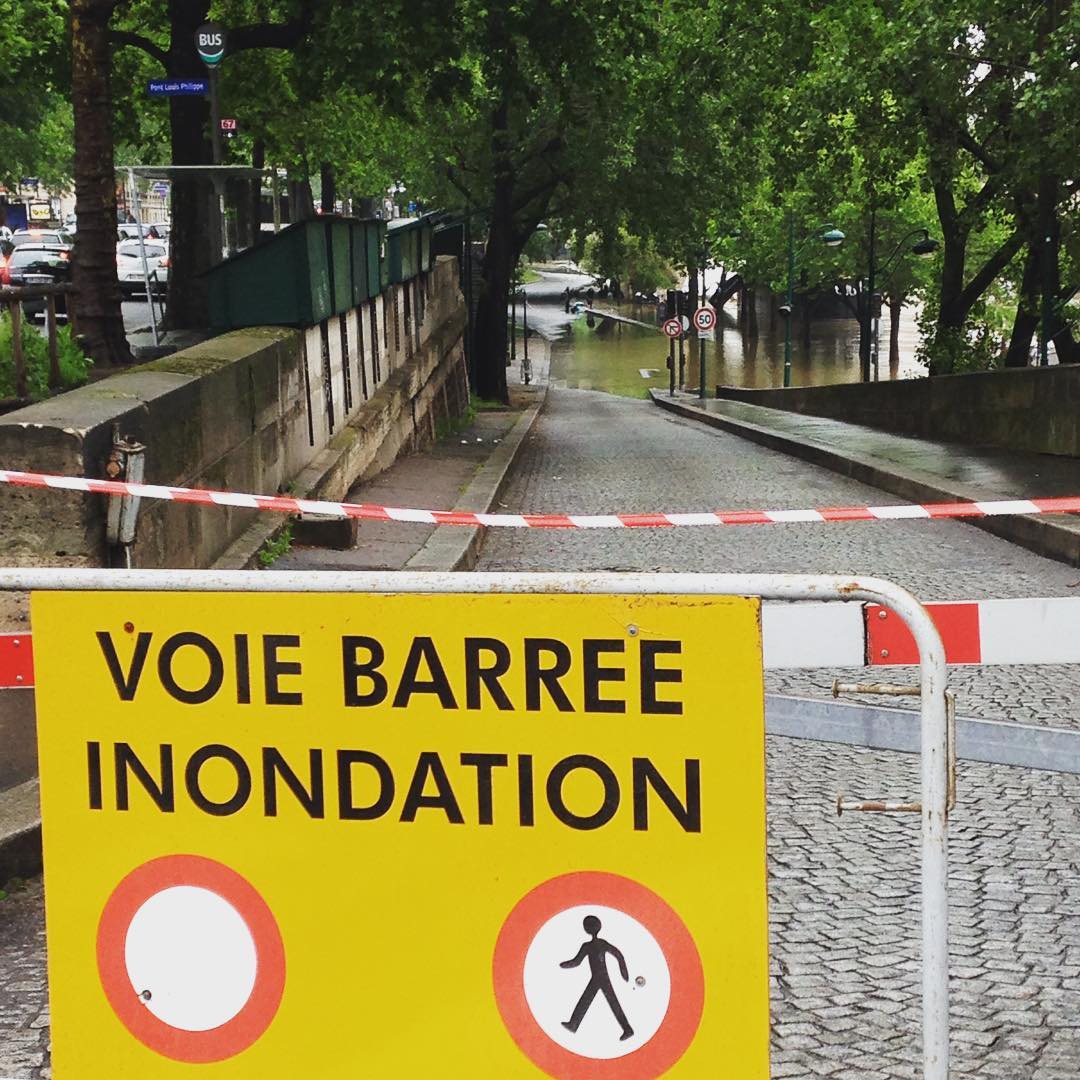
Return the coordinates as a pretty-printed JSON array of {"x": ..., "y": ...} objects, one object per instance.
[{"x": 535, "y": 675}]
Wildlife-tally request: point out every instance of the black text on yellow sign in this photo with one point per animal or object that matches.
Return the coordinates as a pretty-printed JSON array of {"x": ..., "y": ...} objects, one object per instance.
[{"x": 372, "y": 783}]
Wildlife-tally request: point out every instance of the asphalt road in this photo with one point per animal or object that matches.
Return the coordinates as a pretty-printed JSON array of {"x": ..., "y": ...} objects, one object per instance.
[{"x": 843, "y": 892}]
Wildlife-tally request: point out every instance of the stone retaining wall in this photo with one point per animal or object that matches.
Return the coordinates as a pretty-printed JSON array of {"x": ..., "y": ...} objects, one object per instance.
[
  {"x": 1035, "y": 409},
  {"x": 262, "y": 410}
]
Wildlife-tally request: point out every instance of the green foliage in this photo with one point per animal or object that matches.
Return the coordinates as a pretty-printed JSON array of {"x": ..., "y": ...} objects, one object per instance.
[
  {"x": 74, "y": 365},
  {"x": 631, "y": 260},
  {"x": 276, "y": 547},
  {"x": 446, "y": 426},
  {"x": 35, "y": 121}
]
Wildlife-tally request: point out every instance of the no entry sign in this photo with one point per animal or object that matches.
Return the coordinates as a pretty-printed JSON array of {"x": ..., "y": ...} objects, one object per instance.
[
  {"x": 672, "y": 328},
  {"x": 457, "y": 836}
]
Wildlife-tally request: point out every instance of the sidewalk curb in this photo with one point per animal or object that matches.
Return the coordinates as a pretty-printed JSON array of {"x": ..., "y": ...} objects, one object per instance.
[
  {"x": 1049, "y": 535},
  {"x": 20, "y": 831},
  {"x": 452, "y": 547}
]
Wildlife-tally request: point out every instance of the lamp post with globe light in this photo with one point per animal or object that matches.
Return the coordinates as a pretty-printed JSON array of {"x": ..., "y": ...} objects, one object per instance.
[{"x": 830, "y": 236}]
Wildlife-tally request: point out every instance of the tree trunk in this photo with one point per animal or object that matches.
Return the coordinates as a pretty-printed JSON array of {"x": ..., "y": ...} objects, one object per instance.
[
  {"x": 491, "y": 329},
  {"x": 692, "y": 303},
  {"x": 258, "y": 161},
  {"x": 329, "y": 187},
  {"x": 194, "y": 226},
  {"x": 97, "y": 301},
  {"x": 1060, "y": 333},
  {"x": 751, "y": 313},
  {"x": 896, "y": 306},
  {"x": 301, "y": 201},
  {"x": 1027, "y": 312}
]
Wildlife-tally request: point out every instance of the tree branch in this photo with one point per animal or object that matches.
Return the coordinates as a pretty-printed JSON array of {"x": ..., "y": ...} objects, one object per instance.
[
  {"x": 126, "y": 37},
  {"x": 451, "y": 175},
  {"x": 977, "y": 151},
  {"x": 284, "y": 35},
  {"x": 544, "y": 187},
  {"x": 990, "y": 270}
]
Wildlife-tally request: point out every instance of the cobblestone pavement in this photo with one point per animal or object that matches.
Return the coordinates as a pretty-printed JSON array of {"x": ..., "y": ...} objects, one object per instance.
[
  {"x": 24, "y": 999},
  {"x": 843, "y": 893}
]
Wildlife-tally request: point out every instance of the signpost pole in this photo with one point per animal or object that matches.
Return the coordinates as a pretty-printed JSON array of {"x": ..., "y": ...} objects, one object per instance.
[
  {"x": 671, "y": 367},
  {"x": 137, "y": 211}
]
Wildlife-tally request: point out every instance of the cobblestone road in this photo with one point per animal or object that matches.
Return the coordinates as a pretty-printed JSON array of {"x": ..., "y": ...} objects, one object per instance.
[{"x": 844, "y": 892}]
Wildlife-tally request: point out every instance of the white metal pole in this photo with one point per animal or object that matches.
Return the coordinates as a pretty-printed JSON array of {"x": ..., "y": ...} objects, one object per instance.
[
  {"x": 934, "y": 726},
  {"x": 142, "y": 251}
]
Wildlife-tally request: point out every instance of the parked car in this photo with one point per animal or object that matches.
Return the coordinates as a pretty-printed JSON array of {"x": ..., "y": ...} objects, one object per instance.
[
  {"x": 129, "y": 266},
  {"x": 130, "y": 231},
  {"x": 51, "y": 237},
  {"x": 6, "y": 248},
  {"x": 40, "y": 264}
]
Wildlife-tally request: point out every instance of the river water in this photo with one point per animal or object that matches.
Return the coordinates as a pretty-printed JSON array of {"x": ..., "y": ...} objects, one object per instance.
[{"x": 627, "y": 360}]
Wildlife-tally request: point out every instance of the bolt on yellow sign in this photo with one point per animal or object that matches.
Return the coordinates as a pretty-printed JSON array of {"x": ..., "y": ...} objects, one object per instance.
[{"x": 403, "y": 835}]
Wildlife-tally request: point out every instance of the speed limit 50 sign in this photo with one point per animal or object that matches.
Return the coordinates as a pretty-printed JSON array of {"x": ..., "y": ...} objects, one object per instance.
[{"x": 705, "y": 318}]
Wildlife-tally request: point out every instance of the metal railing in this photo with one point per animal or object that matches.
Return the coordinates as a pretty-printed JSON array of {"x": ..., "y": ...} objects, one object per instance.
[{"x": 12, "y": 298}]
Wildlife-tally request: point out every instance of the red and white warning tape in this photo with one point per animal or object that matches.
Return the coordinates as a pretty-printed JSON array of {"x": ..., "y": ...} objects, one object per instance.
[
  {"x": 287, "y": 505},
  {"x": 830, "y": 635}
]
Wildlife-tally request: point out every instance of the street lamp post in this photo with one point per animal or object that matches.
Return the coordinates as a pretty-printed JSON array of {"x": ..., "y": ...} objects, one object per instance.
[
  {"x": 830, "y": 236},
  {"x": 870, "y": 324}
]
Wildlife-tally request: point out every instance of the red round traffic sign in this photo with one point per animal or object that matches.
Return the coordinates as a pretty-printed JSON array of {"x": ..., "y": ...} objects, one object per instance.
[
  {"x": 673, "y": 328},
  {"x": 625, "y": 1006},
  {"x": 167, "y": 930},
  {"x": 705, "y": 318}
]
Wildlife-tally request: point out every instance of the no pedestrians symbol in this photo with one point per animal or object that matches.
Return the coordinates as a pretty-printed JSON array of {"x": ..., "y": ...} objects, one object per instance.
[{"x": 597, "y": 975}]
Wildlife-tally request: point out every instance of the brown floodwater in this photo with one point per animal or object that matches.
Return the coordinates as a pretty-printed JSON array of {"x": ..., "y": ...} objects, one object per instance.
[{"x": 626, "y": 359}]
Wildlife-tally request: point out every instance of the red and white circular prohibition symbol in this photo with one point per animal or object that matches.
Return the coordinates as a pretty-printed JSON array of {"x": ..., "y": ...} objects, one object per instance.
[
  {"x": 191, "y": 958},
  {"x": 705, "y": 318},
  {"x": 673, "y": 328},
  {"x": 662, "y": 998}
]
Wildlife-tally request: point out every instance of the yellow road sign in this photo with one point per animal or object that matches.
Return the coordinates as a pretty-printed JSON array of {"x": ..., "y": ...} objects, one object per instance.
[{"x": 403, "y": 836}]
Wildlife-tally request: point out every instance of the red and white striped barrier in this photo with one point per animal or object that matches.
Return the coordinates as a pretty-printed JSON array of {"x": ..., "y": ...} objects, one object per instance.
[
  {"x": 829, "y": 635},
  {"x": 285, "y": 504}
]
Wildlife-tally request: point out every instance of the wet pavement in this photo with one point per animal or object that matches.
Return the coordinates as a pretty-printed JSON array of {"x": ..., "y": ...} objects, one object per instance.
[
  {"x": 844, "y": 892},
  {"x": 1011, "y": 474}
]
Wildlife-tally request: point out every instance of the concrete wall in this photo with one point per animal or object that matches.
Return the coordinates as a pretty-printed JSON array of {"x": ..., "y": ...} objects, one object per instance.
[
  {"x": 260, "y": 410},
  {"x": 1035, "y": 409}
]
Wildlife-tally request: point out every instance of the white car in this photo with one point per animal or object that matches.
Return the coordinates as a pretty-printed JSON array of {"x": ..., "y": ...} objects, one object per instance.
[{"x": 129, "y": 266}]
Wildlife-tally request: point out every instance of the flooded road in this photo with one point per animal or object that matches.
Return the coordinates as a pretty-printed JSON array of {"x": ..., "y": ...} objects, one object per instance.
[{"x": 628, "y": 360}]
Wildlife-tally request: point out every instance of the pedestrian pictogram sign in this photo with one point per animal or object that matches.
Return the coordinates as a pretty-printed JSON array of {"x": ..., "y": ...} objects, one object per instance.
[
  {"x": 672, "y": 327},
  {"x": 705, "y": 318},
  {"x": 633, "y": 991},
  {"x": 403, "y": 835}
]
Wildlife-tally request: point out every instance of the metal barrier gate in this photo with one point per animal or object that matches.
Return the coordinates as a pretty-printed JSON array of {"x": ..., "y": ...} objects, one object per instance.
[{"x": 934, "y": 726}]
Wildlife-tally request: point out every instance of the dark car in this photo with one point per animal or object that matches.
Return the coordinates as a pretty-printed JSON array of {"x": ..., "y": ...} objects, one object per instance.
[{"x": 40, "y": 264}]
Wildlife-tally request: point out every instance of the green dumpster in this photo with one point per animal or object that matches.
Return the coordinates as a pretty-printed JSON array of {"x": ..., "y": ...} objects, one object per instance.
[
  {"x": 426, "y": 261},
  {"x": 339, "y": 244},
  {"x": 358, "y": 250},
  {"x": 403, "y": 249},
  {"x": 375, "y": 238},
  {"x": 384, "y": 257},
  {"x": 284, "y": 281}
]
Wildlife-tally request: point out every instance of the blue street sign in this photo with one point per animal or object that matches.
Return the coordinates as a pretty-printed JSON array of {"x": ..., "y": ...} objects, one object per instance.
[{"x": 177, "y": 87}]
